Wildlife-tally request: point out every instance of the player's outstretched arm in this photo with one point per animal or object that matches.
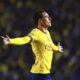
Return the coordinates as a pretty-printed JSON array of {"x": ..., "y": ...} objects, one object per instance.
[
  {"x": 58, "y": 47},
  {"x": 16, "y": 41}
]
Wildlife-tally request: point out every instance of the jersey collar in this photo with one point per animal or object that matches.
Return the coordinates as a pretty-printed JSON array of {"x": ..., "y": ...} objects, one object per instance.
[{"x": 42, "y": 31}]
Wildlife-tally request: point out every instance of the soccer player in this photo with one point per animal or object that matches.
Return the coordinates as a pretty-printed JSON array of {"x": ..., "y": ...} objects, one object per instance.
[{"x": 42, "y": 46}]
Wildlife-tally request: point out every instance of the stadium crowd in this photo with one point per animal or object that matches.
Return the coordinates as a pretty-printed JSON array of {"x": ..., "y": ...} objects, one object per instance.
[{"x": 16, "y": 20}]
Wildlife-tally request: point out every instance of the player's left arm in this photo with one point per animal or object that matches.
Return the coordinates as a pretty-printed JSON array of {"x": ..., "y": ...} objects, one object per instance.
[{"x": 58, "y": 47}]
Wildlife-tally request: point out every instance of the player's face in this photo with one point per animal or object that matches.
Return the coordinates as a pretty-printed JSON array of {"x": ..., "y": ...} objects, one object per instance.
[{"x": 46, "y": 20}]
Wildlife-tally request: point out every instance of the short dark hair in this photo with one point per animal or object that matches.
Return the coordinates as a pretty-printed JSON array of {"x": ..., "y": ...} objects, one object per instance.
[{"x": 38, "y": 15}]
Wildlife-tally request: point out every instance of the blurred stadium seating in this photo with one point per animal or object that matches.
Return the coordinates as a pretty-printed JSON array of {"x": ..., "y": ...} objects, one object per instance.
[{"x": 16, "y": 20}]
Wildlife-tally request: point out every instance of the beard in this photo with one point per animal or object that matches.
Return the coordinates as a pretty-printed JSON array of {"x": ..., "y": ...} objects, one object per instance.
[{"x": 48, "y": 24}]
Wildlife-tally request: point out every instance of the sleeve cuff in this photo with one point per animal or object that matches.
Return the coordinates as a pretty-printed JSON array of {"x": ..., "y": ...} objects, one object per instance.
[{"x": 31, "y": 39}]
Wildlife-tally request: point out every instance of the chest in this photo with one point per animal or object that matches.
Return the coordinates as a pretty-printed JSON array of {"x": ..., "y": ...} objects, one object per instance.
[{"x": 44, "y": 38}]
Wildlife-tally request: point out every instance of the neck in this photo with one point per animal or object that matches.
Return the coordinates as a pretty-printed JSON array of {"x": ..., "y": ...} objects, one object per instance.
[{"x": 42, "y": 28}]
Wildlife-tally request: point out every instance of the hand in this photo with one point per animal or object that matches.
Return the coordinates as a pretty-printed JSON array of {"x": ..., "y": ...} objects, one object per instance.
[
  {"x": 5, "y": 39},
  {"x": 60, "y": 49}
]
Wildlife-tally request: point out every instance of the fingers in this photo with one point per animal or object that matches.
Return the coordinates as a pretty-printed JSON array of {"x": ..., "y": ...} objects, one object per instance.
[
  {"x": 2, "y": 37},
  {"x": 5, "y": 39},
  {"x": 60, "y": 47},
  {"x": 7, "y": 36},
  {"x": 58, "y": 43},
  {"x": 62, "y": 50}
]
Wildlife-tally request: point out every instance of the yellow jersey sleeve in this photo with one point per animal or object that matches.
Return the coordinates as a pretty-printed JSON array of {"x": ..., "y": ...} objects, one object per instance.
[
  {"x": 20, "y": 40},
  {"x": 24, "y": 40},
  {"x": 54, "y": 47},
  {"x": 33, "y": 35}
]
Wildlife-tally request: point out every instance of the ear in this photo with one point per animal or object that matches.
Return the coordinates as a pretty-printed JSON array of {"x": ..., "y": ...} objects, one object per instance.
[{"x": 40, "y": 20}]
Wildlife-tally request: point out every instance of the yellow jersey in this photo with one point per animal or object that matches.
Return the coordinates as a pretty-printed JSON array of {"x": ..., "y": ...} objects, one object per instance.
[{"x": 42, "y": 47}]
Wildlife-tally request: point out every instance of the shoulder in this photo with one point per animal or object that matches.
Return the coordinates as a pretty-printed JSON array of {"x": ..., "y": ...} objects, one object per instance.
[
  {"x": 48, "y": 31},
  {"x": 33, "y": 31}
]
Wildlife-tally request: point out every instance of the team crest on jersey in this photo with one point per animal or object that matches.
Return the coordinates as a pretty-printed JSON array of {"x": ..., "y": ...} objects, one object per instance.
[{"x": 48, "y": 47}]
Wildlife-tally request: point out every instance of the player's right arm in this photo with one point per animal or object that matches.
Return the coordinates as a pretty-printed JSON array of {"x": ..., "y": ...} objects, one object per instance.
[
  {"x": 16, "y": 41},
  {"x": 32, "y": 36}
]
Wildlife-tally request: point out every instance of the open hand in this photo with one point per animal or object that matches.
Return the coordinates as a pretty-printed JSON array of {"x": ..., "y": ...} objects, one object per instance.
[
  {"x": 5, "y": 39},
  {"x": 60, "y": 49}
]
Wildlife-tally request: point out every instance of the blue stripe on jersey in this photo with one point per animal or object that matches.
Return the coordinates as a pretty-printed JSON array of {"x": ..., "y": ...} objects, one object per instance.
[{"x": 31, "y": 38}]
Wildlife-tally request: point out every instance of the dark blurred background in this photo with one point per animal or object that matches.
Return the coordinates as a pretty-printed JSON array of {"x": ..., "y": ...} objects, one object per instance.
[{"x": 16, "y": 20}]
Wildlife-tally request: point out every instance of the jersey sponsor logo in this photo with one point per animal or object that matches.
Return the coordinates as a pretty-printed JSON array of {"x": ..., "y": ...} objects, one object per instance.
[{"x": 48, "y": 47}]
